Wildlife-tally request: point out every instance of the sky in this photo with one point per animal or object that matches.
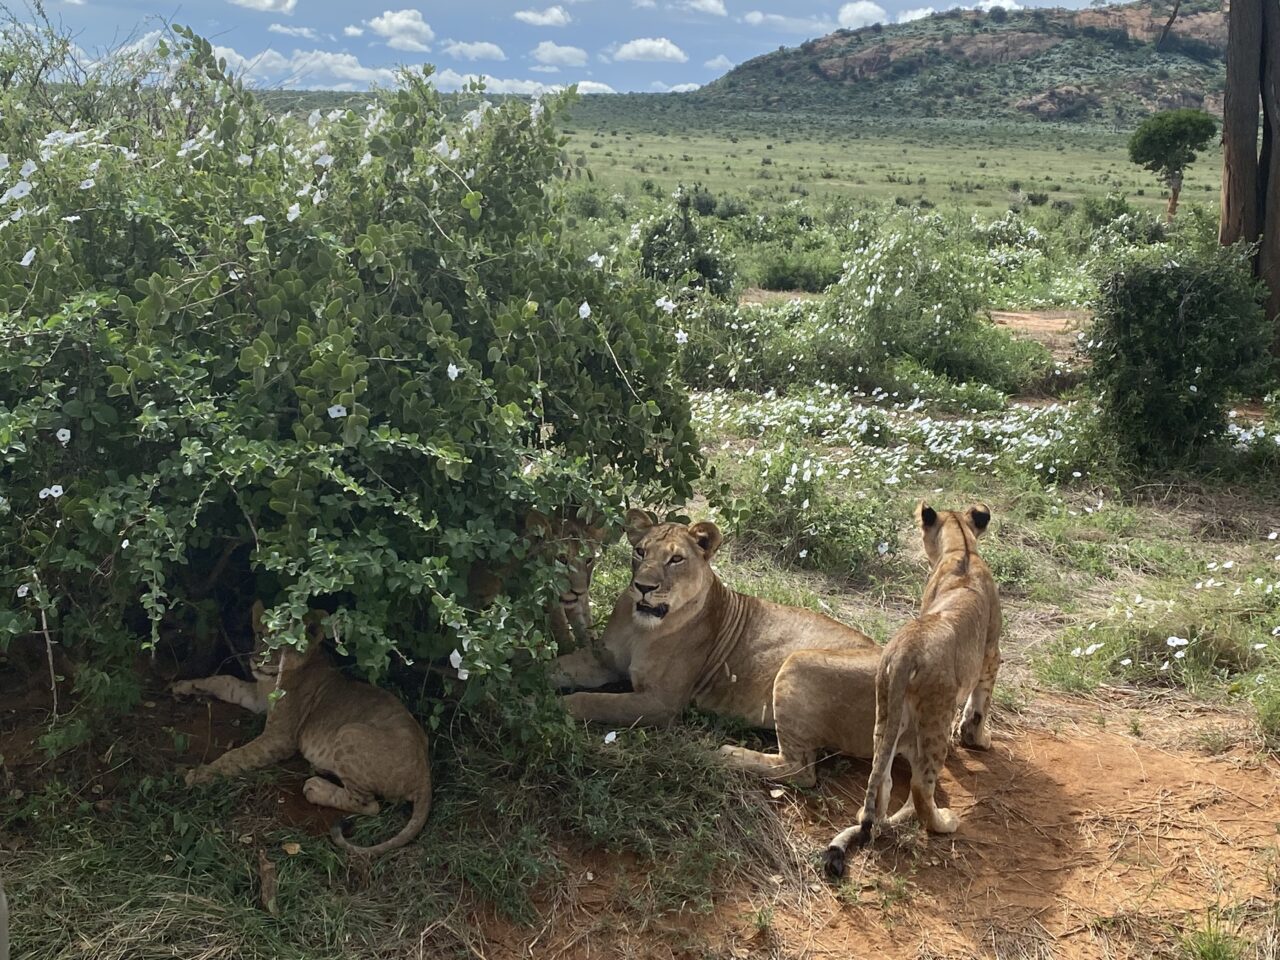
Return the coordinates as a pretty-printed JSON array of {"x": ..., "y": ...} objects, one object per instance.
[{"x": 604, "y": 46}]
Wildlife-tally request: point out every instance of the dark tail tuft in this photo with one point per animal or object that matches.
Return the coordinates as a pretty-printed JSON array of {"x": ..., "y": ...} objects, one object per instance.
[{"x": 833, "y": 862}]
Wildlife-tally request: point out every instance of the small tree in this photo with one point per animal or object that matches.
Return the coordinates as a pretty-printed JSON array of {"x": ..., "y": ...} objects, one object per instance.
[{"x": 1166, "y": 144}]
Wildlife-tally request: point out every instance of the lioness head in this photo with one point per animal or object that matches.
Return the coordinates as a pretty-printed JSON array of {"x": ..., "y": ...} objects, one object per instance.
[
  {"x": 576, "y": 544},
  {"x": 670, "y": 564},
  {"x": 267, "y": 663},
  {"x": 945, "y": 530}
]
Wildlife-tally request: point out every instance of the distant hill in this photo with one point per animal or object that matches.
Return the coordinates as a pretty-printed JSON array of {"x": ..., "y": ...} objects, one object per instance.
[{"x": 1100, "y": 64}]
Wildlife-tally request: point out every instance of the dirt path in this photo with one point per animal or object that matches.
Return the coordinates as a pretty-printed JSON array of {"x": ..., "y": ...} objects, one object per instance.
[
  {"x": 1056, "y": 329},
  {"x": 1080, "y": 845}
]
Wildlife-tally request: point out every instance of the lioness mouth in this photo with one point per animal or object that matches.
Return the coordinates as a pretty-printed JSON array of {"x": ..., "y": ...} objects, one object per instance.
[{"x": 659, "y": 610}]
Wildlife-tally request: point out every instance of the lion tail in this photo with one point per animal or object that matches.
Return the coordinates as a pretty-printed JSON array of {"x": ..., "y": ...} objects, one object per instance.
[
  {"x": 417, "y": 820},
  {"x": 892, "y": 678}
]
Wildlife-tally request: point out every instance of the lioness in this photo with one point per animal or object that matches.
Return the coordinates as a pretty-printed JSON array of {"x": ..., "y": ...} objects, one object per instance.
[
  {"x": 681, "y": 636},
  {"x": 357, "y": 732},
  {"x": 946, "y": 656},
  {"x": 576, "y": 544}
]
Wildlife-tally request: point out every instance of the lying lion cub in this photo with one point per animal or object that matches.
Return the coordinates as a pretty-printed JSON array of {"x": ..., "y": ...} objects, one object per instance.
[
  {"x": 681, "y": 636},
  {"x": 946, "y": 656},
  {"x": 359, "y": 733}
]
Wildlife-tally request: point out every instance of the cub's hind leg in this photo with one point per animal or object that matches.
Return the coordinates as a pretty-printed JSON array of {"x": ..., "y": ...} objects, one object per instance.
[
  {"x": 973, "y": 727},
  {"x": 926, "y": 767},
  {"x": 324, "y": 793}
]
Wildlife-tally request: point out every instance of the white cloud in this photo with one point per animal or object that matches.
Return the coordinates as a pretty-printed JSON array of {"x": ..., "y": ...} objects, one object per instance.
[
  {"x": 988, "y": 4},
  {"x": 591, "y": 86},
  {"x": 861, "y": 13},
  {"x": 554, "y": 55},
  {"x": 541, "y": 68},
  {"x": 268, "y": 6},
  {"x": 719, "y": 63},
  {"x": 403, "y": 30},
  {"x": 556, "y": 16},
  {"x": 678, "y": 88},
  {"x": 714, "y": 7},
  {"x": 317, "y": 68},
  {"x": 810, "y": 26},
  {"x": 269, "y": 64},
  {"x": 644, "y": 4},
  {"x": 479, "y": 50},
  {"x": 916, "y": 13},
  {"x": 646, "y": 48},
  {"x": 305, "y": 32},
  {"x": 353, "y": 31}
]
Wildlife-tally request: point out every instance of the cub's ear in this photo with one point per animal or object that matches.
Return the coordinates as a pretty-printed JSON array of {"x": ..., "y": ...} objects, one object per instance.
[
  {"x": 926, "y": 516},
  {"x": 707, "y": 536},
  {"x": 537, "y": 525},
  {"x": 258, "y": 611},
  {"x": 637, "y": 524},
  {"x": 980, "y": 517}
]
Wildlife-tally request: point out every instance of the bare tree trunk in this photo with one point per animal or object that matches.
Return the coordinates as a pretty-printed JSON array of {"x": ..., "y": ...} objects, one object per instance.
[
  {"x": 1240, "y": 207},
  {"x": 1175, "y": 188},
  {"x": 1269, "y": 252},
  {"x": 1164, "y": 34}
]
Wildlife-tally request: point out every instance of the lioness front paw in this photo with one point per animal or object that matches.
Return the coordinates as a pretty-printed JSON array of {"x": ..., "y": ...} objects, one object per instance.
[
  {"x": 944, "y": 821},
  {"x": 184, "y": 688},
  {"x": 974, "y": 736},
  {"x": 197, "y": 775}
]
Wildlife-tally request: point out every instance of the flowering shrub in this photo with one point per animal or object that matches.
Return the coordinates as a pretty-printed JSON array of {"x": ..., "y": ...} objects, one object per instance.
[
  {"x": 343, "y": 354},
  {"x": 676, "y": 248},
  {"x": 1177, "y": 332}
]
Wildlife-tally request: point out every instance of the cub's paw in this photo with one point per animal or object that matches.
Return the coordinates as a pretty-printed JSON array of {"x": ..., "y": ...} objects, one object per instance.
[{"x": 944, "y": 821}]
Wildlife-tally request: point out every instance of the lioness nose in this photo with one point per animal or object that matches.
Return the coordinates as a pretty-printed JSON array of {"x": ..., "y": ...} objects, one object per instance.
[{"x": 644, "y": 588}]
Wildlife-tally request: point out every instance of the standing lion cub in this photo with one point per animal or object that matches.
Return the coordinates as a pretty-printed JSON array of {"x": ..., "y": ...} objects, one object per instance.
[
  {"x": 357, "y": 732},
  {"x": 946, "y": 656}
]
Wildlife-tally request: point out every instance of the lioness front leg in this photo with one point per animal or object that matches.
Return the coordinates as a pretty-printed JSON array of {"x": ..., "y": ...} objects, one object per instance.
[
  {"x": 621, "y": 708},
  {"x": 228, "y": 689},
  {"x": 798, "y": 769},
  {"x": 583, "y": 669},
  {"x": 258, "y": 753}
]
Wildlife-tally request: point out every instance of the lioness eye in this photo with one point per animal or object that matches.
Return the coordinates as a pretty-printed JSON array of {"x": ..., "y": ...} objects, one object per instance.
[
  {"x": 591, "y": 562},
  {"x": 676, "y": 559},
  {"x": 562, "y": 558},
  {"x": 639, "y": 553}
]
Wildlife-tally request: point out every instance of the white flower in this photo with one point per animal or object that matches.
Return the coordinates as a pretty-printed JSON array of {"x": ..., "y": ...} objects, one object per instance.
[
  {"x": 452, "y": 371},
  {"x": 1259, "y": 646},
  {"x": 366, "y": 159},
  {"x": 74, "y": 218},
  {"x": 28, "y": 257},
  {"x": 666, "y": 303},
  {"x": 1076, "y": 652},
  {"x": 1228, "y": 565},
  {"x": 324, "y": 160},
  {"x": 596, "y": 260},
  {"x": 1093, "y": 648},
  {"x": 611, "y": 736},
  {"x": 313, "y": 119},
  {"x": 4, "y": 161},
  {"x": 86, "y": 184},
  {"x": 584, "y": 311},
  {"x": 1180, "y": 654},
  {"x": 337, "y": 412},
  {"x": 124, "y": 544},
  {"x": 1193, "y": 389},
  {"x": 27, "y": 169},
  {"x": 24, "y": 590},
  {"x": 681, "y": 337},
  {"x": 19, "y": 190},
  {"x": 294, "y": 212},
  {"x": 1164, "y": 666},
  {"x": 244, "y": 160},
  {"x": 256, "y": 218},
  {"x": 882, "y": 549},
  {"x": 1177, "y": 641},
  {"x": 1126, "y": 662},
  {"x": 803, "y": 554},
  {"x": 455, "y": 661},
  {"x": 55, "y": 491},
  {"x": 64, "y": 436},
  {"x": 1273, "y": 534}
]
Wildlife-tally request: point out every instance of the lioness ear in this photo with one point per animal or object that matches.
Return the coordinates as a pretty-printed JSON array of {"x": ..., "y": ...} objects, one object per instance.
[
  {"x": 707, "y": 536},
  {"x": 258, "y": 611},
  {"x": 637, "y": 523},
  {"x": 980, "y": 517},
  {"x": 926, "y": 515},
  {"x": 537, "y": 525},
  {"x": 314, "y": 622}
]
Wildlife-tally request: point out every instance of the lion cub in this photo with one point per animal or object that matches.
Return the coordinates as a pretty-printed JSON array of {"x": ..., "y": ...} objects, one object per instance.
[
  {"x": 355, "y": 731},
  {"x": 946, "y": 656}
]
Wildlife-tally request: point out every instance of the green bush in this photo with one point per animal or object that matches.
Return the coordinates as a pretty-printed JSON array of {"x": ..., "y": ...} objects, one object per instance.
[
  {"x": 1176, "y": 334},
  {"x": 676, "y": 249},
  {"x": 348, "y": 352}
]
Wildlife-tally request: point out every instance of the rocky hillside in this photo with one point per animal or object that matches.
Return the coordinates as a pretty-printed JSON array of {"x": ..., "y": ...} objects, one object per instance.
[{"x": 1102, "y": 64}]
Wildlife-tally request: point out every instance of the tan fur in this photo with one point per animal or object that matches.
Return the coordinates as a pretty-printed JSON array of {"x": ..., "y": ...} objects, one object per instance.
[
  {"x": 357, "y": 732},
  {"x": 577, "y": 545},
  {"x": 945, "y": 657},
  {"x": 713, "y": 647},
  {"x": 824, "y": 703}
]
